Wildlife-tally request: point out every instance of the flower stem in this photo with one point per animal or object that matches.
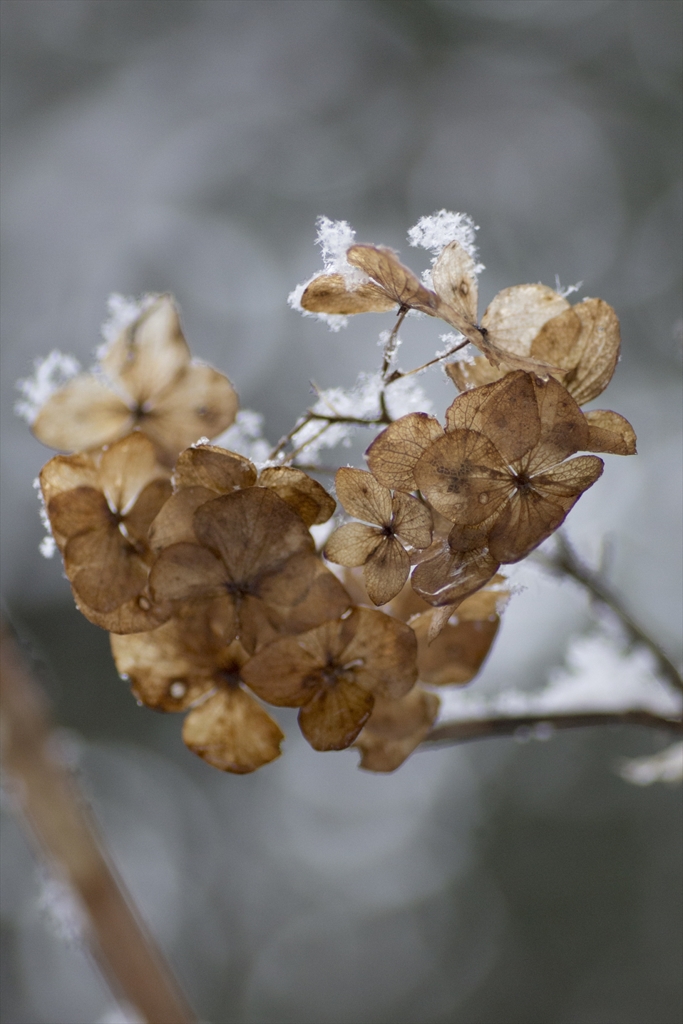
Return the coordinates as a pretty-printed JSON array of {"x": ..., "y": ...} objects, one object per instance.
[{"x": 474, "y": 729}]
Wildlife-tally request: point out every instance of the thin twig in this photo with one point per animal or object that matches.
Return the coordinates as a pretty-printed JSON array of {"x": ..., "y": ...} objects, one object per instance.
[
  {"x": 398, "y": 374},
  {"x": 63, "y": 829},
  {"x": 474, "y": 729},
  {"x": 565, "y": 562},
  {"x": 392, "y": 341}
]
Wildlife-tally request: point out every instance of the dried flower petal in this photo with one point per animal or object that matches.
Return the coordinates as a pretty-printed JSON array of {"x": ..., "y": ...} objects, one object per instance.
[
  {"x": 213, "y": 468},
  {"x": 609, "y": 432},
  {"x": 515, "y": 316},
  {"x": 386, "y": 571},
  {"x": 412, "y": 520},
  {"x": 329, "y": 294},
  {"x": 505, "y": 411},
  {"x": 201, "y": 402},
  {"x": 392, "y": 456},
  {"x": 362, "y": 496},
  {"x": 597, "y": 349},
  {"x": 448, "y": 577},
  {"x": 175, "y": 520},
  {"x": 463, "y": 476},
  {"x": 397, "y": 282},
  {"x": 333, "y": 717},
  {"x": 301, "y": 492},
  {"x": 184, "y": 572},
  {"x": 395, "y": 728},
  {"x": 457, "y": 652},
  {"x": 455, "y": 280},
  {"x": 352, "y": 544},
  {"x": 233, "y": 732},
  {"x": 85, "y": 413}
]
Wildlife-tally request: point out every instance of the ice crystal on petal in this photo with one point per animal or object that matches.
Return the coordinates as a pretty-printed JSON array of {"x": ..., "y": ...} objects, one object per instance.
[
  {"x": 435, "y": 232},
  {"x": 50, "y": 374},
  {"x": 123, "y": 310},
  {"x": 334, "y": 238},
  {"x": 569, "y": 290}
]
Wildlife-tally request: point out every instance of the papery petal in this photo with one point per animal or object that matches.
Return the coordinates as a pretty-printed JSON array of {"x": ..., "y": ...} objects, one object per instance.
[
  {"x": 463, "y": 477},
  {"x": 301, "y": 492},
  {"x": 136, "y": 615},
  {"x": 385, "y": 650},
  {"x": 83, "y": 414},
  {"x": 457, "y": 653},
  {"x": 252, "y": 531},
  {"x": 386, "y": 570},
  {"x": 473, "y": 373},
  {"x": 335, "y": 715},
  {"x": 104, "y": 569},
  {"x": 515, "y": 316},
  {"x": 563, "y": 427},
  {"x": 174, "y": 522},
  {"x": 412, "y": 520},
  {"x": 557, "y": 342},
  {"x": 328, "y": 294},
  {"x": 448, "y": 577},
  {"x": 78, "y": 511},
  {"x": 231, "y": 731},
  {"x": 363, "y": 497},
  {"x": 283, "y": 673},
  {"x": 302, "y": 594},
  {"x": 200, "y": 403},
  {"x": 455, "y": 280},
  {"x": 609, "y": 432},
  {"x": 398, "y": 282},
  {"x": 213, "y": 468},
  {"x": 395, "y": 728},
  {"x": 138, "y": 521},
  {"x": 150, "y": 353},
  {"x": 505, "y": 411},
  {"x": 66, "y": 472},
  {"x": 392, "y": 456},
  {"x": 352, "y": 544},
  {"x": 572, "y": 477},
  {"x": 126, "y": 467},
  {"x": 186, "y": 571},
  {"x": 600, "y": 341}
]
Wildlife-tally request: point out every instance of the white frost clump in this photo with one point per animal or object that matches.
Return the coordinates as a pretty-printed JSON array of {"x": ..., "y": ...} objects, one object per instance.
[
  {"x": 123, "y": 311},
  {"x": 335, "y": 237},
  {"x": 666, "y": 766},
  {"x": 436, "y": 232},
  {"x": 569, "y": 290},
  {"x": 405, "y": 395},
  {"x": 47, "y": 546},
  {"x": 598, "y": 677},
  {"x": 49, "y": 375},
  {"x": 361, "y": 402},
  {"x": 60, "y": 906},
  {"x": 245, "y": 437}
]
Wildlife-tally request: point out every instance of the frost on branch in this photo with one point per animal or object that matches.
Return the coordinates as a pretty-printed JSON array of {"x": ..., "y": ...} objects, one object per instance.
[
  {"x": 666, "y": 766},
  {"x": 246, "y": 438}
]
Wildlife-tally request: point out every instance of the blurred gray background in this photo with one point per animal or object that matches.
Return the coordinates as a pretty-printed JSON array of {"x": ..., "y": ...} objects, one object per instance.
[{"x": 188, "y": 146}]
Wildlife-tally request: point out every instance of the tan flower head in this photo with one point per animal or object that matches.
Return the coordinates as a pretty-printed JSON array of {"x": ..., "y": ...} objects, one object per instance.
[
  {"x": 377, "y": 548},
  {"x": 256, "y": 550},
  {"x": 146, "y": 381},
  {"x": 100, "y": 505},
  {"x": 186, "y": 664},
  {"x": 395, "y": 728},
  {"x": 335, "y": 672}
]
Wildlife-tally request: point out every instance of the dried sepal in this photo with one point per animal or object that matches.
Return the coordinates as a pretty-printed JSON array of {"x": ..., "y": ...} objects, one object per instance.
[
  {"x": 329, "y": 294},
  {"x": 85, "y": 413},
  {"x": 455, "y": 280},
  {"x": 609, "y": 432},
  {"x": 587, "y": 340},
  {"x": 395, "y": 728},
  {"x": 398, "y": 283},
  {"x": 174, "y": 521},
  {"x": 214, "y": 468},
  {"x": 300, "y": 491},
  {"x": 392, "y": 456},
  {"x": 447, "y": 577},
  {"x": 515, "y": 315},
  {"x": 232, "y": 732},
  {"x": 456, "y": 653}
]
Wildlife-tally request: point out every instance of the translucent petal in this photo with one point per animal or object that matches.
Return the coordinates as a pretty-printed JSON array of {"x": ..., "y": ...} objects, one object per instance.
[
  {"x": 600, "y": 341},
  {"x": 413, "y": 521},
  {"x": 392, "y": 456},
  {"x": 363, "y": 497},
  {"x": 301, "y": 492},
  {"x": 126, "y": 467},
  {"x": 398, "y": 282},
  {"x": 200, "y": 403},
  {"x": 145, "y": 510},
  {"x": 334, "y": 715},
  {"x": 174, "y": 522},
  {"x": 186, "y": 571},
  {"x": 463, "y": 477},
  {"x": 83, "y": 414},
  {"x": 515, "y": 316},
  {"x": 329, "y": 294},
  {"x": 457, "y": 653},
  {"x": 385, "y": 650},
  {"x": 395, "y": 728},
  {"x": 609, "y": 432},
  {"x": 231, "y": 731},
  {"x": 455, "y": 280},
  {"x": 386, "y": 570},
  {"x": 104, "y": 570},
  {"x": 505, "y": 411},
  {"x": 66, "y": 472},
  {"x": 563, "y": 427},
  {"x": 448, "y": 577},
  {"x": 352, "y": 544},
  {"x": 214, "y": 468},
  {"x": 77, "y": 511}
]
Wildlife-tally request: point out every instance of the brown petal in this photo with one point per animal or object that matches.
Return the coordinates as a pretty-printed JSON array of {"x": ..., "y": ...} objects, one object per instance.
[
  {"x": 252, "y": 531},
  {"x": 233, "y": 732},
  {"x": 301, "y": 492},
  {"x": 516, "y": 315},
  {"x": 363, "y": 497},
  {"x": 392, "y": 456},
  {"x": 609, "y": 432},
  {"x": 463, "y": 477},
  {"x": 186, "y": 571},
  {"x": 395, "y": 728},
  {"x": 487, "y": 603},
  {"x": 386, "y": 571},
  {"x": 104, "y": 569},
  {"x": 213, "y": 468},
  {"x": 77, "y": 511},
  {"x": 352, "y": 544},
  {"x": 150, "y": 353},
  {"x": 138, "y": 614},
  {"x": 335, "y": 715},
  {"x": 145, "y": 510},
  {"x": 200, "y": 403},
  {"x": 83, "y": 414},
  {"x": 572, "y": 477},
  {"x": 398, "y": 282},
  {"x": 302, "y": 594},
  {"x": 600, "y": 341},
  {"x": 174, "y": 522},
  {"x": 457, "y": 653},
  {"x": 505, "y": 411},
  {"x": 563, "y": 427},
  {"x": 329, "y": 294},
  {"x": 163, "y": 674},
  {"x": 385, "y": 649},
  {"x": 66, "y": 472},
  {"x": 557, "y": 342},
  {"x": 473, "y": 373},
  {"x": 448, "y": 577},
  {"x": 284, "y": 673},
  {"x": 126, "y": 467},
  {"x": 455, "y": 280},
  {"x": 413, "y": 521}
]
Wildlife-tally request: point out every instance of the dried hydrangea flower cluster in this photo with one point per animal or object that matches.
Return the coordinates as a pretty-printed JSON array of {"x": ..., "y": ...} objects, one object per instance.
[{"x": 204, "y": 568}]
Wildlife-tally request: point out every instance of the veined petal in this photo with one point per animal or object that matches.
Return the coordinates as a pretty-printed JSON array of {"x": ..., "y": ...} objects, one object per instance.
[
  {"x": 463, "y": 476},
  {"x": 231, "y": 731},
  {"x": 363, "y": 497},
  {"x": 352, "y": 544},
  {"x": 609, "y": 432},
  {"x": 301, "y": 492},
  {"x": 515, "y": 316},
  {"x": 384, "y": 649},
  {"x": 328, "y": 294},
  {"x": 213, "y": 468},
  {"x": 505, "y": 411},
  {"x": 397, "y": 282},
  {"x": 85, "y": 413},
  {"x": 386, "y": 570},
  {"x": 455, "y": 280},
  {"x": 392, "y": 456},
  {"x": 334, "y": 715},
  {"x": 395, "y": 728},
  {"x": 200, "y": 402},
  {"x": 186, "y": 571},
  {"x": 448, "y": 577},
  {"x": 413, "y": 521},
  {"x": 126, "y": 467}
]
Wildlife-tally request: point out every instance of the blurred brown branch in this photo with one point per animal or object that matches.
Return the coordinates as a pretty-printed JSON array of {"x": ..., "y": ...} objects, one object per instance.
[
  {"x": 474, "y": 729},
  {"x": 62, "y": 827}
]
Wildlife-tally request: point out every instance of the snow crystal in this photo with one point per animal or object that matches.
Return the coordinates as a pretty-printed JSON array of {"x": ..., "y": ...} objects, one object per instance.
[
  {"x": 598, "y": 677},
  {"x": 435, "y": 232},
  {"x": 335, "y": 238},
  {"x": 49, "y": 375},
  {"x": 569, "y": 290},
  {"x": 666, "y": 766},
  {"x": 59, "y": 905},
  {"x": 47, "y": 546},
  {"x": 245, "y": 437},
  {"x": 123, "y": 311},
  {"x": 405, "y": 395}
]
